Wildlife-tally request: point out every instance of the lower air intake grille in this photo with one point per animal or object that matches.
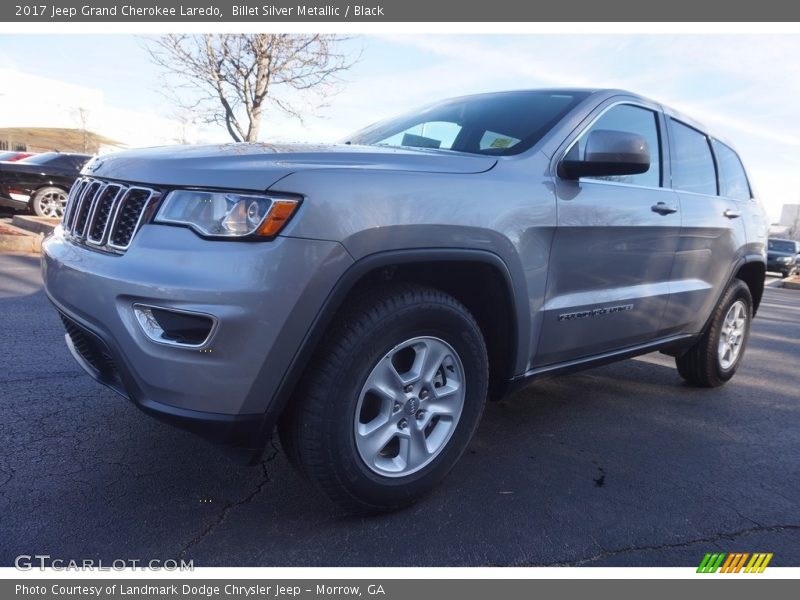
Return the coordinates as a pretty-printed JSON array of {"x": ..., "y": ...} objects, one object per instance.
[{"x": 92, "y": 349}]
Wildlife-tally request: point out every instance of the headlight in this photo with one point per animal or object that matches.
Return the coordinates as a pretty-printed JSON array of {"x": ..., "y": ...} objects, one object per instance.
[
  {"x": 784, "y": 259},
  {"x": 227, "y": 214}
]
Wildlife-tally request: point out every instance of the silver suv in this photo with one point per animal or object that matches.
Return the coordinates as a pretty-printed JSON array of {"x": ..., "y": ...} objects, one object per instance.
[{"x": 367, "y": 297}]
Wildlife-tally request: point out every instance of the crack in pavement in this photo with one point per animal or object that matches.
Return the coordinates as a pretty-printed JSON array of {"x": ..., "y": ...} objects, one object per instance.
[
  {"x": 711, "y": 539},
  {"x": 10, "y": 476},
  {"x": 229, "y": 506}
]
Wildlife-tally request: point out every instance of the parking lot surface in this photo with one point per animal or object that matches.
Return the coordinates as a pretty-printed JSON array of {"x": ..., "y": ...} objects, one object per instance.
[{"x": 622, "y": 465}]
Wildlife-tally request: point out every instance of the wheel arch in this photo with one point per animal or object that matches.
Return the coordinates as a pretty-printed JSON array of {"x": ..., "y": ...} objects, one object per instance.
[
  {"x": 753, "y": 272},
  {"x": 498, "y": 314},
  {"x": 49, "y": 184}
]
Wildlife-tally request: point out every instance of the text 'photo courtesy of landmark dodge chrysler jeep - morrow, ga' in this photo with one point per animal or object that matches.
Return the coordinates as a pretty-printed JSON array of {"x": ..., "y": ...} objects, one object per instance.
[{"x": 366, "y": 298}]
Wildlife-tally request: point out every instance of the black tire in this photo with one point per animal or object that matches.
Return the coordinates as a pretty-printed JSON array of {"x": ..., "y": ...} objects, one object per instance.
[
  {"x": 36, "y": 202},
  {"x": 317, "y": 431},
  {"x": 701, "y": 364}
]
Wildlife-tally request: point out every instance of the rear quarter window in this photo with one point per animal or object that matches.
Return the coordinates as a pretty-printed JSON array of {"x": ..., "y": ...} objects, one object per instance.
[{"x": 732, "y": 178}]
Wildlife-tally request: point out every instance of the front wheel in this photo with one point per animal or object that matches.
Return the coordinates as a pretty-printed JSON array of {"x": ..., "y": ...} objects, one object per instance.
[
  {"x": 717, "y": 354},
  {"x": 49, "y": 202},
  {"x": 391, "y": 400}
]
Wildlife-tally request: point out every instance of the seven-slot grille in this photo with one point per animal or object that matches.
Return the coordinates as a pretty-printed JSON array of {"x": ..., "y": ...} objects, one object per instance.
[{"x": 104, "y": 214}]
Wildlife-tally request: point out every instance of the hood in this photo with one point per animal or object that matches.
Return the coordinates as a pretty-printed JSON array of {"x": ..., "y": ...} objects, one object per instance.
[{"x": 258, "y": 166}]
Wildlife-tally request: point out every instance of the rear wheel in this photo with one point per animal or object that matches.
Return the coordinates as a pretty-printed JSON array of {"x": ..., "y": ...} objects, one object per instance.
[
  {"x": 49, "y": 202},
  {"x": 391, "y": 400},
  {"x": 714, "y": 358}
]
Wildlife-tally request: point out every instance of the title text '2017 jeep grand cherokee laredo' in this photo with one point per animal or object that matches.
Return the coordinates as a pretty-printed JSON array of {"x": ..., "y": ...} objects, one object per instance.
[{"x": 367, "y": 297}]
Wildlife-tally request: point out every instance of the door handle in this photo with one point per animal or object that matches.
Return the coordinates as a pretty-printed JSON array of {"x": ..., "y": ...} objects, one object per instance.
[
  {"x": 663, "y": 208},
  {"x": 732, "y": 214}
]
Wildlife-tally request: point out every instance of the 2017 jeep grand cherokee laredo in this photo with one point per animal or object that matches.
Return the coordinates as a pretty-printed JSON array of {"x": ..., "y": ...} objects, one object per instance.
[{"x": 367, "y": 297}]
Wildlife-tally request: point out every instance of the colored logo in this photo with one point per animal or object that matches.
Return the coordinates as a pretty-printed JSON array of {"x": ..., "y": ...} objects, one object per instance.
[{"x": 735, "y": 562}]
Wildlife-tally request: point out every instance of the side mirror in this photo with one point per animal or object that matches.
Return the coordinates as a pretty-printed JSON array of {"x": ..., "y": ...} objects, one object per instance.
[{"x": 607, "y": 153}]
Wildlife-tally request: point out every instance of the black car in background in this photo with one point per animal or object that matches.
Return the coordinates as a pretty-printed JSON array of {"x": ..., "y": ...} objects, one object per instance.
[
  {"x": 41, "y": 182},
  {"x": 14, "y": 155},
  {"x": 782, "y": 257}
]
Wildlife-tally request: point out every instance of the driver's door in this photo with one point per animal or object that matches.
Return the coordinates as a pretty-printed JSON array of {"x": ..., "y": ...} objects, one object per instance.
[{"x": 612, "y": 253}]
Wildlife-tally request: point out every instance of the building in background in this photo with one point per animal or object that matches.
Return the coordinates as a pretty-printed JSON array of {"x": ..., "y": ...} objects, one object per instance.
[
  {"x": 61, "y": 139},
  {"x": 39, "y": 114}
]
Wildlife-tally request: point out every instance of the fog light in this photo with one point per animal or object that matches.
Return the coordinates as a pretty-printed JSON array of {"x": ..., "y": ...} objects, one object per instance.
[{"x": 174, "y": 327}]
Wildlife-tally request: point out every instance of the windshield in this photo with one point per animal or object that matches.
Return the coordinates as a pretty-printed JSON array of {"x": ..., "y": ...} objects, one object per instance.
[
  {"x": 782, "y": 246},
  {"x": 491, "y": 124}
]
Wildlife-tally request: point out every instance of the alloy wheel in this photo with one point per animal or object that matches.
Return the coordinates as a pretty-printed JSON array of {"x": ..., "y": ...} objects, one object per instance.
[
  {"x": 51, "y": 204},
  {"x": 732, "y": 335},
  {"x": 409, "y": 406}
]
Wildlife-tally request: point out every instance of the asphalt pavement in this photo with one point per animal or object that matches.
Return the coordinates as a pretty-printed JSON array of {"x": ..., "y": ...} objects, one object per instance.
[
  {"x": 6, "y": 214},
  {"x": 622, "y": 465}
]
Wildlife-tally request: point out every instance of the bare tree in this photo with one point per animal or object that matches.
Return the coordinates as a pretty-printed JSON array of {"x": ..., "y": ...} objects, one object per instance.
[
  {"x": 82, "y": 115},
  {"x": 185, "y": 119},
  {"x": 232, "y": 78}
]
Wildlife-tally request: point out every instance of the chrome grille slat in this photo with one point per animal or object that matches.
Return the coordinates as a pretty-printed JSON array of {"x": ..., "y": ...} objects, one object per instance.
[
  {"x": 74, "y": 192},
  {"x": 128, "y": 217},
  {"x": 79, "y": 202},
  {"x": 92, "y": 210},
  {"x": 85, "y": 207},
  {"x": 102, "y": 213},
  {"x": 106, "y": 215}
]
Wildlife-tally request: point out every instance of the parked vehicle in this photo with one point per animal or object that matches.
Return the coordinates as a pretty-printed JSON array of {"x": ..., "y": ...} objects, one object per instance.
[
  {"x": 783, "y": 256},
  {"x": 40, "y": 183},
  {"x": 14, "y": 156},
  {"x": 367, "y": 297}
]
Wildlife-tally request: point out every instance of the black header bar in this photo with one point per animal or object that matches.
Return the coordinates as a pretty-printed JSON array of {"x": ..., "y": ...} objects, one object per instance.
[{"x": 465, "y": 11}]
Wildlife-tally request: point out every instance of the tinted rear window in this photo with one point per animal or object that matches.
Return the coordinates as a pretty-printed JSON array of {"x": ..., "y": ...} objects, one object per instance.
[
  {"x": 782, "y": 246},
  {"x": 40, "y": 159},
  {"x": 56, "y": 159},
  {"x": 692, "y": 163},
  {"x": 492, "y": 124}
]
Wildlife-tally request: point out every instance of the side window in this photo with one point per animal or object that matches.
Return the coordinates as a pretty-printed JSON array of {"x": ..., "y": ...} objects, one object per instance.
[
  {"x": 732, "y": 178},
  {"x": 631, "y": 119},
  {"x": 692, "y": 164},
  {"x": 65, "y": 161}
]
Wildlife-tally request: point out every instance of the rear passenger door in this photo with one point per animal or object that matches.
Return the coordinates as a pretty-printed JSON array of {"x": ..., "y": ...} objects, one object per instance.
[
  {"x": 713, "y": 233},
  {"x": 613, "y": 248}
]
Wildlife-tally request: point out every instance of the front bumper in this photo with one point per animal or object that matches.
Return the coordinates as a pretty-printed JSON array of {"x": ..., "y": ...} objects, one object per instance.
[
  {"x": 263, "y": 295},
  {"x": 14, "y": 203}
]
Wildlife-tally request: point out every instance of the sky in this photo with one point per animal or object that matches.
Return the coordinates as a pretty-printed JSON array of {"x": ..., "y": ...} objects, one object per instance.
[{"x": 745, "y": 88}]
